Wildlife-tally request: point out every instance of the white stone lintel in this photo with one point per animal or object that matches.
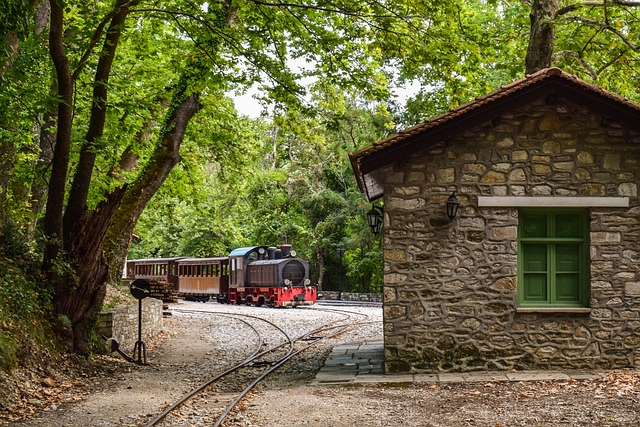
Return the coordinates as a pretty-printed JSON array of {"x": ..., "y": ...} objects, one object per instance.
[{"x": 552, "y": 202}]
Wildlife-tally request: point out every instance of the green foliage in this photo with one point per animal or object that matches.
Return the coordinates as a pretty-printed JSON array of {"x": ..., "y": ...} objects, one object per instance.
[
  {"x": 13, "y": 241},
  {"x": 600, "y": 44},
  {"x": 8, "y": 350},
  {"x": 289, "y": 182},
  {"x": 195, "y": 212},
  {"x": 23, "y": 305},
  {"x": 14, "y": 16}
]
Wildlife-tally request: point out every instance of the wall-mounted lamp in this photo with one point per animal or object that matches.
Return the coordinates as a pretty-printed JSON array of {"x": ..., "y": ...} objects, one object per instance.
[
  {"x": 374, "y": 216},
  {"x": 452, "y": 206}
]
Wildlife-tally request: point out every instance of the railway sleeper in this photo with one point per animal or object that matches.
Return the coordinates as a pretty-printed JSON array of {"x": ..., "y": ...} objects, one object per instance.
[
  {"x": 313, "y": 338},
  {"x": 262, "y": 363}
]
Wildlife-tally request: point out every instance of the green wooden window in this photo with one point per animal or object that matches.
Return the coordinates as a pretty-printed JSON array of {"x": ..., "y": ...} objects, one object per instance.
[{"x": 553, "y": 258}]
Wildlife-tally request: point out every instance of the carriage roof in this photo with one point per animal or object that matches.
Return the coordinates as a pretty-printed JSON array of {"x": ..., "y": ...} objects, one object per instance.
[
  {"x": 154, "y": 260},
  {"x": 212, "y": 260}
]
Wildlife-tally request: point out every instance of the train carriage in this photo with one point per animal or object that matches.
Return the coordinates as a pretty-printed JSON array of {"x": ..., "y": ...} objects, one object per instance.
[
  {"x": 162, "y": 269},
  {"x": 202, "y": 278},
  {"x": 161, "y": 273}
]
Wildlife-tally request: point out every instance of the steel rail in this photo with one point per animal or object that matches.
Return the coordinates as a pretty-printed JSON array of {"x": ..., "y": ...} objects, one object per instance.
[
  {"x": 256, "y": 354},
  {"x": 278, "y": 364},
  {"x": 288, "y": 357}
]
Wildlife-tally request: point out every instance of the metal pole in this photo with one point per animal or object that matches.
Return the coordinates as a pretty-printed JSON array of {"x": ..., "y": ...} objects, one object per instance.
[
  {"x": 139, "y": 330},
  {"x": 341, "y": 253},
  {"x": 140, "y": 347},
  {"x": 140, "y": 289}
]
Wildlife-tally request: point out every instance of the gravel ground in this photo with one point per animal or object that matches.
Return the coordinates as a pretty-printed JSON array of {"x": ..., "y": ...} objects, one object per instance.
[{"x": 195, "y": 345}]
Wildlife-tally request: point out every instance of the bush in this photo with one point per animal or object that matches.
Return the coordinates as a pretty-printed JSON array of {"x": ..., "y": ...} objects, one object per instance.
[
  {"x": 8, "y": 351},
  {"x": 23, "y": 309}
]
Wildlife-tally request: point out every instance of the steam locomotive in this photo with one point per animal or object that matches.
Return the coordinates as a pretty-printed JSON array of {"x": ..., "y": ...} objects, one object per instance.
[{"x": 254, "y": 275}]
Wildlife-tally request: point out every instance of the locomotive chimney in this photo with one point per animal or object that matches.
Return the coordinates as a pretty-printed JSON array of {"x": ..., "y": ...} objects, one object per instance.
[
  {"x": 286, "y": 250},
  {"x": 272, "y": 252}
]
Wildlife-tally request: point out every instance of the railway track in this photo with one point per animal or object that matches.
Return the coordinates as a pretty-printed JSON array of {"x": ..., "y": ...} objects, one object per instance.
[{"x": 273, "y": 348}]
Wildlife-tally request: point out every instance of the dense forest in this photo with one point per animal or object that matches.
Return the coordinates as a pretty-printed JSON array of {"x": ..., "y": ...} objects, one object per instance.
[{"x": 117, "y": 118}]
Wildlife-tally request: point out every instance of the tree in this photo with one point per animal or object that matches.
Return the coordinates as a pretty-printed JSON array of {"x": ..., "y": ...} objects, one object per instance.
[
  {"x": 541, "y": 35},
  {"x": 128, "y": 79},
  {"x": 93, "y": 204},
  {"x": 76, "y": 234},
  {"x": 594, "y": 39}
]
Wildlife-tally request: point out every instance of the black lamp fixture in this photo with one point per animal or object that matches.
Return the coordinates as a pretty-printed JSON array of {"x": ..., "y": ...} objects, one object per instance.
[
  {"x": 452, "y": 206},
  {"x": 374, "y": 216}
]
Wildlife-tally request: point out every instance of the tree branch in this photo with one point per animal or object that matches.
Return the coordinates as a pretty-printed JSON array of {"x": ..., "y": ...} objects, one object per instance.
[
  {"x": 97, "y": 35},
  {"x": 580, "y": 5},
  {"x": 604, "y": 26},
  {"x": 574, "y": 55}
]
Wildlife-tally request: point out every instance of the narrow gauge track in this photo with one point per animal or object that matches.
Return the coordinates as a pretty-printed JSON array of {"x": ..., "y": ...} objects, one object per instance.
[{"x": 282, "y": 351}]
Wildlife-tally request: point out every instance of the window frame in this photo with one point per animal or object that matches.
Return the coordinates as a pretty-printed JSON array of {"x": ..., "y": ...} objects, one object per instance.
[{"x": 551, "y": 242}]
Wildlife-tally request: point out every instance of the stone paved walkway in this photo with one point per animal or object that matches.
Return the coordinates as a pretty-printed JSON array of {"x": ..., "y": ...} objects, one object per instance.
[{"x": 362, "y": 363}]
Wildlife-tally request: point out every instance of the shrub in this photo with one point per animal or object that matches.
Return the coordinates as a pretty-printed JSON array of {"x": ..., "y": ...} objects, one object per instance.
[{"x": 23, "y": 308}]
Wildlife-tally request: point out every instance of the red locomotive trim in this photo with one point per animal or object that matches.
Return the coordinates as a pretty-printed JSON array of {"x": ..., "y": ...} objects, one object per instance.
[{"x": 274, "y": 297}]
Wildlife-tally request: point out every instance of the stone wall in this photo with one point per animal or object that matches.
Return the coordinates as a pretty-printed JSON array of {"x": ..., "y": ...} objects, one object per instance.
[
  {"x": 450, "y": 287},
  {"x": 122, "y": 323}
]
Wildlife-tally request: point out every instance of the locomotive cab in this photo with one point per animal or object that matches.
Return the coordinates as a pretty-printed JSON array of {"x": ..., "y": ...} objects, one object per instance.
[{"x": 239, "y": 259}]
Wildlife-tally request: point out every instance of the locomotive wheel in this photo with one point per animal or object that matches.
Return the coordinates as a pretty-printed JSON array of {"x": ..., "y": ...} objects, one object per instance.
[{"x": 260, "y": 302}]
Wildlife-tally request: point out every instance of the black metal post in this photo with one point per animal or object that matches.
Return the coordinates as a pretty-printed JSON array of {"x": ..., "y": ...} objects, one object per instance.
[
  {"x": 341, "y": 253},
  {"x": 140, "y": 346}
]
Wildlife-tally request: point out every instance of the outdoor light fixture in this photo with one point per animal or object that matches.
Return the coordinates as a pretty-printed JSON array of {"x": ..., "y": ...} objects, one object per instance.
[
  {"x": 374, "y": 216},
  {"x": 452, "y": 206}
]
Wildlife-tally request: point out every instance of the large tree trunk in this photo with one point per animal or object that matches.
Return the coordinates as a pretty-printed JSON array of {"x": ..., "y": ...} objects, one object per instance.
[
  {"x": 166, "y": 156},
  {"x": 85, "y": 243},
  {"x": 541, "y": 35},
  {"x": 80, "y": 299},
  {"x": 60, "y": 163},
  {"x": 101, "y": 237}
]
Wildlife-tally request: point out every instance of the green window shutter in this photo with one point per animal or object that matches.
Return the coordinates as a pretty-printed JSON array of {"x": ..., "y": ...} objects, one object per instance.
[
  {"x": 552, "y": 258},
  {"x": 535, "y": 272}
]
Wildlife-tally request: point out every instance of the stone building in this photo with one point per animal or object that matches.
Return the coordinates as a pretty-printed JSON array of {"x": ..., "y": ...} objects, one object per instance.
[{"x": 540, "y": 267}]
